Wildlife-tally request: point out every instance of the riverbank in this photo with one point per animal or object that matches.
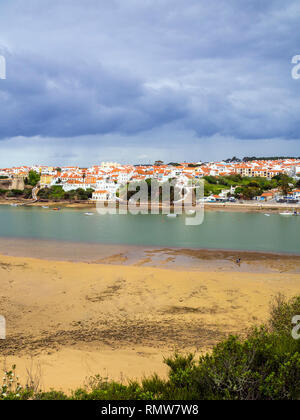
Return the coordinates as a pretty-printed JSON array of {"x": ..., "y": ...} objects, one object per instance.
[
  {"x": 68, "y": 321},
  {"x": 50, "y": 204},
  {"x": 250, "y": 206},
  {"x": 148, "y": 256}
]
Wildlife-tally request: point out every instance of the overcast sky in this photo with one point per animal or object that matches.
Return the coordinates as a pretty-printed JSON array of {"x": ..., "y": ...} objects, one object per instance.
[{"x": 139, "y": 80}]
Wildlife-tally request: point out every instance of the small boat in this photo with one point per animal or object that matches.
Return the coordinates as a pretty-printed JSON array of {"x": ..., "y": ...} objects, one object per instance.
[
  {"x": 45, "y": 207},
  {"x": 89, "y": 214},
  {"x": 268, "y": 215},
  {"x": 14, "y": 205},
  {"x": 287, "y": 213},
  {"x": 172, "y": 215},
  {"x": 56, "y": 209}
]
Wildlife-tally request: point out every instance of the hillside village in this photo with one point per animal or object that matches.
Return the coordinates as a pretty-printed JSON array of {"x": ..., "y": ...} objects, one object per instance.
[{"x": 223, "y": 179}]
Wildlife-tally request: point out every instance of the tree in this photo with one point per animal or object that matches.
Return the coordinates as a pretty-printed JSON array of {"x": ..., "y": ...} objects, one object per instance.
[
  {"x": 211, "y": 179},
  {"x": 247, "y": 193},
  {"x": 33, "y": 178},
  {"x": 234, "y": 159},
  {"x": 223, "y": 181},
  {"x": 284, "y": 184},
  {"x": 254, "y": 184}
]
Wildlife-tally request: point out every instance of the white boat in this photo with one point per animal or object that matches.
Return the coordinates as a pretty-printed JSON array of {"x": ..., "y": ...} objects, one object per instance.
[
  {"x": 172, "y": 215},
  {"x": 287, "y": 213},
  {"x": 89, "y": 214},
  {"x": 14, "y": 205},
  {"x": 267, "y": 215},
  {"x": 45, "y": 207}
]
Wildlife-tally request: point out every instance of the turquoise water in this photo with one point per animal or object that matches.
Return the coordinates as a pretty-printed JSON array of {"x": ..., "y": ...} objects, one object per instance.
[{"x": 220, "y": 230}]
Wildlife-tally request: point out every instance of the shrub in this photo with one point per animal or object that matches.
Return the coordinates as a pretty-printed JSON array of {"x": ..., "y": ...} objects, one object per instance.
[
  {"x": 281, "y": 313},
  {"x": 15, "y": 193},
  {"x": 28, "y": 193},
  {"x": 264, "y": 366}
]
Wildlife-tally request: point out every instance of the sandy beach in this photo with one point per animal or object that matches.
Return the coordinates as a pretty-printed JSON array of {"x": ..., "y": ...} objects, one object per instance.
[{"x": 118, "y": 318}]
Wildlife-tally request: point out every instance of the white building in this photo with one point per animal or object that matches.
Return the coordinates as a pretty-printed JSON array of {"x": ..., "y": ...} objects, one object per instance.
[
  {"x": 101, "y": 195},
  {"x": 69, "y": 186},
  {"x": 295, "y": 194}
]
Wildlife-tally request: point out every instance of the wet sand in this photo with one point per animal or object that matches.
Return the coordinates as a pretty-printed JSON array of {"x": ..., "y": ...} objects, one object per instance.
[
  {"x": 119, "y": 313},
  {"x": 147, "y": 256}
]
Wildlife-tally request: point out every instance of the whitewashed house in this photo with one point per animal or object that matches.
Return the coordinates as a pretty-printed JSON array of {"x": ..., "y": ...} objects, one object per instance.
[
  {"x": 295, "y": 194},
  {"x": 101, "y": 195}
]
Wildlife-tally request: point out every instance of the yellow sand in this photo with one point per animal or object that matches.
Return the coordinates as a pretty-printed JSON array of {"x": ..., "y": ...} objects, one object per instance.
[{"x": 73, "y": 320}]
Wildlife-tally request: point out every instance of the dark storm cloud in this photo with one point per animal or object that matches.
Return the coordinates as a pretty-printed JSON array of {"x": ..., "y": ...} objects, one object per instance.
[
  {"x": 125, "y": 68},
  {"x": 50, "y": 98}
]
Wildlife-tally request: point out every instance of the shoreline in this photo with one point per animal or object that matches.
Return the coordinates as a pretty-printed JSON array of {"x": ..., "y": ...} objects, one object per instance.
[
  {"x": 231, "y": 207},
  {"x": 197, "y": 259}
]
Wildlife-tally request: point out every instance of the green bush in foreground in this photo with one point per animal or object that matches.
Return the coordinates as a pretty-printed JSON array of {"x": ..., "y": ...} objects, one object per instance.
[{"x": 264, "y": 366}]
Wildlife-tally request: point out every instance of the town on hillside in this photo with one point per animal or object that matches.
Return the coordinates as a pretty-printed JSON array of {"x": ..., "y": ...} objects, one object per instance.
[{"x": 264, "y": 180}]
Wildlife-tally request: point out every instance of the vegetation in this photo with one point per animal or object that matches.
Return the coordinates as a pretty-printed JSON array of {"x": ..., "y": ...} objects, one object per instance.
[
  {"x": 284, "y": 183},
  {"x": 155, "y": 190},
  {"x": 233, "y": 160},
  {"x": 248, "y": 187},
  {"x": 26, "y": 193},
  {"x": 15, "y": 193},
  {"x": 33, "y": 178},
  {"x": 253, "y": 158},
  {"x": 263, "y": 366},
  {"x": 57, "y": 193}
]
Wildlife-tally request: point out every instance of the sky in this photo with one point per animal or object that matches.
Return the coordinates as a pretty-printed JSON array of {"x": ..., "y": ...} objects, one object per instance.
[{"x": 135, "y": 81}]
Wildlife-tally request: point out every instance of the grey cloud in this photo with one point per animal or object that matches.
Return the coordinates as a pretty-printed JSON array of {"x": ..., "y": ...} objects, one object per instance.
[{"x": 95, "y": 68}]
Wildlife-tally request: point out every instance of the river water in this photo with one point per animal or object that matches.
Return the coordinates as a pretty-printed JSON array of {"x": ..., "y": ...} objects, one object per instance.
[{"x": 220, "y": 229}]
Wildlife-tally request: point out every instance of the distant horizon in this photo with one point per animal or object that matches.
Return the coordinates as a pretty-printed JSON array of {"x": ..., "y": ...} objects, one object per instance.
[{"x": 258, "y": 158}]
